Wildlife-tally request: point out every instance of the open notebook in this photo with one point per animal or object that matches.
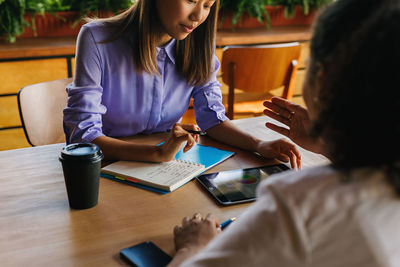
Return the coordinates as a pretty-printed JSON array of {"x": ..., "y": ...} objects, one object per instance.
[{"x": 167, "y": 176}]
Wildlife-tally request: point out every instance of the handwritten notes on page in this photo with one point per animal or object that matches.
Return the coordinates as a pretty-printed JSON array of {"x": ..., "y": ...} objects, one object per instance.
[{"x": 167, "y": 175}]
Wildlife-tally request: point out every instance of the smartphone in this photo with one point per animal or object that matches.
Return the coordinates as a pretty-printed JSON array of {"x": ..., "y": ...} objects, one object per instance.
[{"x": 145, "y": 254}]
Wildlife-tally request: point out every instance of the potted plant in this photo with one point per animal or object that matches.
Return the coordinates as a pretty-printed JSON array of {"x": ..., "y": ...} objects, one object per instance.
[
  {"x": 29, "y": 18},
  {"x": 12, "y": 22},
  {"x": 99, "y": 8},
  {"x": 256, "y": 13},
  {"x": 18, "y": 16},
  {"x": 46, "y": 18}
]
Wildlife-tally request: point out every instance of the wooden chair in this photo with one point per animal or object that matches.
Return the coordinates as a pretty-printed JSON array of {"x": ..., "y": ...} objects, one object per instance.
[
  {"x": 258, "y": 69},
  {"x": 41, "y": 110}
]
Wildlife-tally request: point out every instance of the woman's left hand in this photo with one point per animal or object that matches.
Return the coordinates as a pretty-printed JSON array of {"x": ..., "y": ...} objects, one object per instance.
[{"x": 282, "y": 150}]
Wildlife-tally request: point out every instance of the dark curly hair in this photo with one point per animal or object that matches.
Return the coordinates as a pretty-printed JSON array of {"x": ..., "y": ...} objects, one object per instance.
[{"x": 357, "y": 45}]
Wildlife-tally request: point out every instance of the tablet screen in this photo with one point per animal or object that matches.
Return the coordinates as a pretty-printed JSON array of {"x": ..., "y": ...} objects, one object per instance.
[{"x": 237, "y": 186}]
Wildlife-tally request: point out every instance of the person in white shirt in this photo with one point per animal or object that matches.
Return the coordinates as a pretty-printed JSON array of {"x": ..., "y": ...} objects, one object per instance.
[{"x": 343, "y": 214}]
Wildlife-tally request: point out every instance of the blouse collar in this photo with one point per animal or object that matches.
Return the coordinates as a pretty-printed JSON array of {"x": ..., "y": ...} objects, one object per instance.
[{"x": 169, "y": 49}]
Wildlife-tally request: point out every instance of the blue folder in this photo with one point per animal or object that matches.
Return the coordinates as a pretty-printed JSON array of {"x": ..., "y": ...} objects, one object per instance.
[{"x": 206, "y": 155}]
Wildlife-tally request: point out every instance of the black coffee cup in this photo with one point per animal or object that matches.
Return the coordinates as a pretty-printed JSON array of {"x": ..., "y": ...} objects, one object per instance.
[{"x": 81, "y": 163}]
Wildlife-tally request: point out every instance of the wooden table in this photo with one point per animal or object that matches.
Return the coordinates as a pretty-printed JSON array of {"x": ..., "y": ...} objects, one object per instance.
[{"x": 37, "y": 227}]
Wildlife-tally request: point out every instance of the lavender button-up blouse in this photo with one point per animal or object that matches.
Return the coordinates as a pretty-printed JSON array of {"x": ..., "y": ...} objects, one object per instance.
[{"x": 108, "y": 97}]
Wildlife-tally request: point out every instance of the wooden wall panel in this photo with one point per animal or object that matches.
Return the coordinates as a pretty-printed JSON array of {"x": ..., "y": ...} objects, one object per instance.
[
  {"x": 12, "y": 139},
  {"x": 9, "y": 115},
  {"x": 73, "y": 66},
  {"x": 298, "y": 83},
  {"x": 18, "y": 74}
]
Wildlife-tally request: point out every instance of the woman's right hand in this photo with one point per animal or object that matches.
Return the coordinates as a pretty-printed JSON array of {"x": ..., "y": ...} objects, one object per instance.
[
  {"x": 296, "y": 118},
  {"x": 194, "y": 234},
  {"x": 176, "y": 138}
]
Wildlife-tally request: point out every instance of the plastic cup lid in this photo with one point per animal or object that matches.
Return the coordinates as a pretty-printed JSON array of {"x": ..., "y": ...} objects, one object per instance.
[{"x": 81, "y": 151}]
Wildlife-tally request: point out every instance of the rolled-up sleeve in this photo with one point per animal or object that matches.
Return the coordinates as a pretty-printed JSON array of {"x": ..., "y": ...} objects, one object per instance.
[
  {"x": 207, "y": 102},
  {"x": 83, "y": 115}
]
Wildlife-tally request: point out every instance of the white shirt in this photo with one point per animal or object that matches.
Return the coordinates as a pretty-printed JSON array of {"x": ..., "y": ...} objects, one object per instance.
[{"x": 314, "y": 217}]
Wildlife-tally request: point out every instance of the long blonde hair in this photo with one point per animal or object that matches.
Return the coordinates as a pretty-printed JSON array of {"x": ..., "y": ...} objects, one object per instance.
[{"x": 143, "y": 19}]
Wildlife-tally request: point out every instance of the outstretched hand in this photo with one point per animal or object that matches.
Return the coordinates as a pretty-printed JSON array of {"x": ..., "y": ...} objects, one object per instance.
[
  {"x": 296, "y": 118},
  {"x": 175, "y": 140}
]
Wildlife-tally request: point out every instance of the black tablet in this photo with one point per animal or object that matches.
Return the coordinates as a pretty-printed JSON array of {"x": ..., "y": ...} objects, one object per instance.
[{"x": 237, "y": 186}]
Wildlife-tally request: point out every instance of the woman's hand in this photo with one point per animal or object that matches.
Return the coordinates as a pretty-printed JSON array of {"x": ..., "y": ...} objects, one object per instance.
[
  {"x": 192, "y": 236},
  {"x": 281, "y": 150},
  {"x": 196, "y": 232},
  {"x": 176, "y": 138},
  {"x": 296, "y": 118}
]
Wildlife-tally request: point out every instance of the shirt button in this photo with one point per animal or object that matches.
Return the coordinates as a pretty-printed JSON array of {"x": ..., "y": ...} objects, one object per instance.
[{"x": 213, "y": 106}]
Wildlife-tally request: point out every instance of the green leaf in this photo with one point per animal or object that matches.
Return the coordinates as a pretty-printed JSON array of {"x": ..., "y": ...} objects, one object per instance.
[{"x": 255, "y": 8}]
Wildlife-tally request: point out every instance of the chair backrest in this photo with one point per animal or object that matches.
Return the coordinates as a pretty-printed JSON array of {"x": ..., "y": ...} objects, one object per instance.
[
  {"x": 41, "y": 110},
  {"x": 260, "y": 68}
]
